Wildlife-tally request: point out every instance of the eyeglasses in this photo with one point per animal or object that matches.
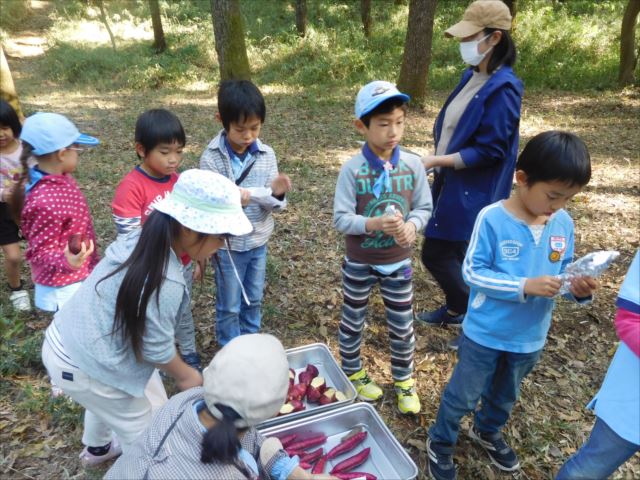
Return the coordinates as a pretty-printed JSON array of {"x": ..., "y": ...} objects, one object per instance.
[{"x": 80, "y": 150}]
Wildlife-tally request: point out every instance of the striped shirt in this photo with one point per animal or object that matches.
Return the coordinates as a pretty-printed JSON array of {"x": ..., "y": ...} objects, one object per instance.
[
  {"x": 264, "y": 168},
  {"x": 179, "y": 455}
]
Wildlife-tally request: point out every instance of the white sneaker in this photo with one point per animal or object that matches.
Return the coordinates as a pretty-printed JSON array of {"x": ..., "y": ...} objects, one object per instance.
[{"x": 20, "y": 300}]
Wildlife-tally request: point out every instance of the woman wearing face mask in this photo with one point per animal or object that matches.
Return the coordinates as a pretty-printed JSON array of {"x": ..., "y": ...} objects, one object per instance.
[{"x": 476, "y": 144}]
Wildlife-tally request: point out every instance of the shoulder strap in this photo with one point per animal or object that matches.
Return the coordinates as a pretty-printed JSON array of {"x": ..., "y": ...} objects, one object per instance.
[
  {"x": 164, "y": 438},
  {"x": 244, "y": 174}
]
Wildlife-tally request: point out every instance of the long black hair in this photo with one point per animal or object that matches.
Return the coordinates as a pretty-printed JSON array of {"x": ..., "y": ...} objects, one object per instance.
[
  {"x": 504, "y": 52},
  {"x": 220, "y": 443},
  {"x": 146, "y": 270}
]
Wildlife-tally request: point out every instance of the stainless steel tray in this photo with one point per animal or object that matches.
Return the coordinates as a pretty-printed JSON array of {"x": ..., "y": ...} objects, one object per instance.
[
  {"x": 319, "y": 355},
  {"x": 387, "y": 461}
]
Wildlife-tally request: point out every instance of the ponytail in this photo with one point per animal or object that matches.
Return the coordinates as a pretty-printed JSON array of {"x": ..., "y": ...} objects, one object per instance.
[
  {"x": 146, "y": 269},
  {"x": 17, "y": 197},
  {"x": 220, "y": 443}
]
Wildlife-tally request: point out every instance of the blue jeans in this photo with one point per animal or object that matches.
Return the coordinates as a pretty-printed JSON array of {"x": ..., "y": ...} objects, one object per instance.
[
  {"x": 233, "y": 316},
  {"x": 599, "y": 457},
  {"x": 482, "y": 373}
]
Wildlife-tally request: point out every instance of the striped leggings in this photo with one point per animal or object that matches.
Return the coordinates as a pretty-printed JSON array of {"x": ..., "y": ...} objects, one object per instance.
[{"x": 397, "y": 294}]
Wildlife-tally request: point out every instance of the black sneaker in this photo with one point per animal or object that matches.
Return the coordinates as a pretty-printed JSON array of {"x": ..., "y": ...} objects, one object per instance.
[
  {"x": 501, "y": 454},
  {"x": 440, "y": 318},
  {"x": 440, "y": 461}
]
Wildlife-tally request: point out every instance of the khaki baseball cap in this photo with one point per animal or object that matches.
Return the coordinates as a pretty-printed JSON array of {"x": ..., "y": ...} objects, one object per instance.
[{"x": 479, "y": 15}]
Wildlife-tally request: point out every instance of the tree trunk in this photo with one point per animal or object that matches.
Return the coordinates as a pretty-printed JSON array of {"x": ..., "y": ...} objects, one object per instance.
[
  {"x": 417, "y": 49},
  {"x": 105, "y": 20},
  {"x": 628, "y": 55},
  {"x": 228, "y": 29},
  {"x": 7, "y": 87},
  {"x": 365, "y": 14},
  {"x": 159, "y": 43},
  {"x": 301, "y": 17}
]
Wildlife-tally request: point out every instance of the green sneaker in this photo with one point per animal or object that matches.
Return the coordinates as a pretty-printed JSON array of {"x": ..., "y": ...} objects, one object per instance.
[
  {"x": 366, "y": 388},
  {"x": 408, "y": 401}
]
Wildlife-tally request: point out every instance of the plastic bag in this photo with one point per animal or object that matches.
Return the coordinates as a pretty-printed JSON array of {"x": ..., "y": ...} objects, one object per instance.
[{"x": 592, "y": 265}]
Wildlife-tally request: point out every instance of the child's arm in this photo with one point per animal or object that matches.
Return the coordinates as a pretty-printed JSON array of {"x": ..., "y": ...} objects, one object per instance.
[
  {"x": 126, "y": 208},
  {"x": 628, "y": 329},
  {"x": 421, "y": 208},
  {"x": 276, "y": 187},
  {"x": 476, "y": 268}
]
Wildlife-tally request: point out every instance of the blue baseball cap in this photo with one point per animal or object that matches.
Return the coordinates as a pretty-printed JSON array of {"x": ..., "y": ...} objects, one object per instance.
[
  {"x": 49, "y": 132},
  {"x": 374, "y": 93}
]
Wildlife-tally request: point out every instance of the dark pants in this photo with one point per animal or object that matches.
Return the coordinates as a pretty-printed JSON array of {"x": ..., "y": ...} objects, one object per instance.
[
  {"x": 481, "y": 374},
  {"x": 443, "y": 259}
]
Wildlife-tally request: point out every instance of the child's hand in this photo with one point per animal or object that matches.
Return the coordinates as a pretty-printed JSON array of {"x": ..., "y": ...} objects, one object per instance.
[
  {"x": 582, "y": 287},
  {"x": 406, "y": 235},
  {"x": 429, "y": 161},
  {"x": 198, "y": 270},
  {"x": 281, "y": 184},
  {"x": 245, "y": 196},
  {"x": 392, "y": 225},
  {"x": 545, "y": 286},
  {"x": 76, "y": 261}
]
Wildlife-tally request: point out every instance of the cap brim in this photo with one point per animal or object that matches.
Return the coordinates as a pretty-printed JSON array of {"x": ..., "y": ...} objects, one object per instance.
[
  {"x": 463, "y": 29},
  {"x": 87, "y": 140},
  {"x": 378, "y": 100},
  {"x": 232, "y": 223}
]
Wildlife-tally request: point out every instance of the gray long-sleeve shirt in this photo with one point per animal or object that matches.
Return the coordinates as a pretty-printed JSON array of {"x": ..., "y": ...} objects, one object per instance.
[
  {"x": 85, "y": 322},
  {"x": 354, "y": 202}
]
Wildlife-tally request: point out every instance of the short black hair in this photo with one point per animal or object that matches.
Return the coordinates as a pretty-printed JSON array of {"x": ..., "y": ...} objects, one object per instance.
[
  {"x": 9, "y": 118},
  {"x": 157, "y": 126},
  {"x": 555, "y": 156},
  {"x": 504, "y": 53},
  {"x": 239, "y": 100},
  {"x": 387, "y": 106}
]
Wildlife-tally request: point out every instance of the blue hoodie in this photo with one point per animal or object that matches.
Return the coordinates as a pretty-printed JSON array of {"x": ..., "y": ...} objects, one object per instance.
[{"x": 487, "y": 139}]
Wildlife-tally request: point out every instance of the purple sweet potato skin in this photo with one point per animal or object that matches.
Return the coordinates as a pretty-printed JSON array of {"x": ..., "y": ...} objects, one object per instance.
[
  {"x": 288, "y": 439},
  {"x": 352, "y": 462},
  {"x": 312, "y": 456},
  {"x": 314, "y": 441},
  {"x": 347, "y": 445},
  {"x": 319, "y": 466}
]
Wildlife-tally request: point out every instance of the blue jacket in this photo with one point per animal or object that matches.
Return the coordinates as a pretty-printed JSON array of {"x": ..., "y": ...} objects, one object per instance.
[
  {"x": 501, "y": 256},
  {"x": 487, "y": 139}
]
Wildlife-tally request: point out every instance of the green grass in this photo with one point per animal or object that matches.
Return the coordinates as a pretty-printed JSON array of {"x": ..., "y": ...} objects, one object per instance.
[{"x": 569, "y": 46}]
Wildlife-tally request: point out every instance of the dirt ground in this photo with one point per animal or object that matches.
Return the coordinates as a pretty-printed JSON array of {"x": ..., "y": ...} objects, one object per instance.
[{"x": 312, "y": 137}]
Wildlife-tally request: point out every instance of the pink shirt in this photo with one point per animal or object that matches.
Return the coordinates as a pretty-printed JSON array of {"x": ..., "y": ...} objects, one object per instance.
[{"x": 55, "y": 209}]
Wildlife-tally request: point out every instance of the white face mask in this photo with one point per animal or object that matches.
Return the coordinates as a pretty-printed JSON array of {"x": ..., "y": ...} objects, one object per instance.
[{"x": 469, "y": 51}]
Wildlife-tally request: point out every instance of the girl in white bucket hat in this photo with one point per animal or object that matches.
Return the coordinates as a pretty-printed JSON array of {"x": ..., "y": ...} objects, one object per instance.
[{"x": 105, "y": 345}]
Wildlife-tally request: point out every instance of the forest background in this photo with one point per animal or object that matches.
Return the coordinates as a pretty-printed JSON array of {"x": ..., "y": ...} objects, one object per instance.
[{"x": 99, "y": 63}]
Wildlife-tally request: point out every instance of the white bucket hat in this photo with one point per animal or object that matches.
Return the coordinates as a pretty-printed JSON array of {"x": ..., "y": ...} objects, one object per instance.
[
  {"x": 206, "y": 202},
  {"x": 250, "y": 374}
]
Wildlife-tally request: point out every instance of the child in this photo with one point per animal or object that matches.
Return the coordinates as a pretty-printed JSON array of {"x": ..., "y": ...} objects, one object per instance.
[
  {"x": 54, "y": 209},
  {"x": 245, "y": 384},
  {"x": 104, "y": 345},
  {"x": 518, "y": 248},
  {"x": 616, "y": 434},
  {"x": 378, "y": 242},
  {"x": 159, "y": 139},
  {"x": 10, "y": 151},
  {"x": 238, "y": 154}
]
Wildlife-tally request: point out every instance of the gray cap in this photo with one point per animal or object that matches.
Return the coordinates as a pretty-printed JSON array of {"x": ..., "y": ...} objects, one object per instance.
[{"x": 251, "y": 375}]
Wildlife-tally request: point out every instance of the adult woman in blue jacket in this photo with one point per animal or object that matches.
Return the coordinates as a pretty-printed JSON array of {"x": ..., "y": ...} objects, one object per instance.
[{"x": 476, "y": 140}]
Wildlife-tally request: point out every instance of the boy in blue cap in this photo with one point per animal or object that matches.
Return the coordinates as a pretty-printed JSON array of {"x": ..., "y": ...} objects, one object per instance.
[{"x": 382, "y": 198}]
